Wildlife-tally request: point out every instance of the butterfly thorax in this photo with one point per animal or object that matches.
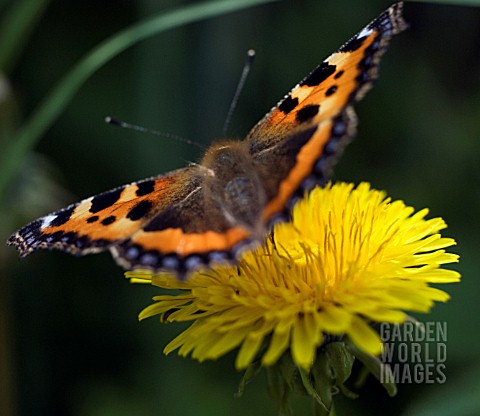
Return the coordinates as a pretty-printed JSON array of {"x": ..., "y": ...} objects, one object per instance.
[{"x": 233, "y": 187}]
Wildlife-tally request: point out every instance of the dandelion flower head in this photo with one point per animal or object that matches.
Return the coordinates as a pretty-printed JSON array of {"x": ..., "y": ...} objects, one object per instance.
[{"x": 349, "y": 257}]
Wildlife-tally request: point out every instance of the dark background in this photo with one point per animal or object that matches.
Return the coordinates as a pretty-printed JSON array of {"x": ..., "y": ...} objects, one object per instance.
[{"x": 70, "y": 340}]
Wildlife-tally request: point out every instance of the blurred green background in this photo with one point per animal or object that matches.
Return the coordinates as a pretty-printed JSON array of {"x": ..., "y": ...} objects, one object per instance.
[{"x": 70, "y": 341}]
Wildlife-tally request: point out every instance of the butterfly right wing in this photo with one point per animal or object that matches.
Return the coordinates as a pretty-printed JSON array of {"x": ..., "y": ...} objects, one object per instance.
[
  {"x": 157, "y": 223},
  {"x": 106, "y": 219}
]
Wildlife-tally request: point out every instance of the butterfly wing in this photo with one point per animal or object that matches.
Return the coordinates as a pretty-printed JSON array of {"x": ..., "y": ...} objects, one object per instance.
[
  {"x": 98, "y": 222},
  {"x": 301, "y": 136},
  {"x": 156, "y": 223}
]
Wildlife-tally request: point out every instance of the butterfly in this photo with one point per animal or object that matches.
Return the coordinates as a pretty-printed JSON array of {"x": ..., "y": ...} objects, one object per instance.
[{"x": 210, "y": 212}]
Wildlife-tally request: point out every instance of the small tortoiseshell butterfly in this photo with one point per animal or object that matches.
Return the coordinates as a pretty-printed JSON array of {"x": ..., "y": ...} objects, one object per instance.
[{"x": 206, "y": 213}]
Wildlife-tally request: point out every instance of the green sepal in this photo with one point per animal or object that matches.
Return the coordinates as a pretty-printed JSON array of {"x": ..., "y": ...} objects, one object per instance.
[
  {"x": 250, "y": 373},
  {"x": 375, "y": 366}
]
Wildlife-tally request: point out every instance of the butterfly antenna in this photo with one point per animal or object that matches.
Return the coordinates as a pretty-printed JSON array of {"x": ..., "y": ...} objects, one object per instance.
[
  {"x": 241, "y": 83},
  {"x": 123, "y": 124}
]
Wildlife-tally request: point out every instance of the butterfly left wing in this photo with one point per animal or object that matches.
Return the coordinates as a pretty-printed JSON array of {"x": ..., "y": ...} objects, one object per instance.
[{"x": 301, "y": 136}]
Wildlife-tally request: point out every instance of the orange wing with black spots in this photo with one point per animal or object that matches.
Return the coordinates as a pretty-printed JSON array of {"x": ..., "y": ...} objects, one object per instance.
[
  {"x": 157, "y": 223},
  {"x": 316, "y": 119},
  {"x": 209, "y": 212},
  {"x": 98, "y": 222},
  {"x": 339, "y": 81}
]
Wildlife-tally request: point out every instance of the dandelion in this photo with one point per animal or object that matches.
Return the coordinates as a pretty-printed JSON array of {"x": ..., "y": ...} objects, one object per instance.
[{"x": 349, "y": 258}]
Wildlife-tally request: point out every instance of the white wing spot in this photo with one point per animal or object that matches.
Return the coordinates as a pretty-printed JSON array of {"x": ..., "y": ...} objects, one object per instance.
[
  {"x": 48, "y": 220},
  {"x": 365, "y": 32}
]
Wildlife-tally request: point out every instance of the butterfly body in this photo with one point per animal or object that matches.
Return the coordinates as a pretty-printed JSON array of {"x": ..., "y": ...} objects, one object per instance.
[
  {"x": 208, "y": 212},
  {"x": 236, "y": 187}
]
